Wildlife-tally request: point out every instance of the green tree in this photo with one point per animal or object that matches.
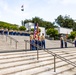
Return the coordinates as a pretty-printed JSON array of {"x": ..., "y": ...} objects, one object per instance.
[
  {"x": 60, "y": 20},
  {"x": 72, "y": 35},
  {"x": 5, "y": 26},
  {"x": 32, "y": 29},
  {"x": 74, "y": 26},
  {"x": 40, "y": 22},
  {"x": 8, "y": 26},
  {"x": 66, "y": 21},
  {"x": 22, "y": 28},
  {"x": 13, "y": 27},
  {"x": 26, "y": 21},
  {"x": 52, "y": 32}
]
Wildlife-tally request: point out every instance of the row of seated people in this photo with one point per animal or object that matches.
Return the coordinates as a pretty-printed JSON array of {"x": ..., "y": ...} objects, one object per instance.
[
  {"x": 14, "y": 33},
  {"x": 37, "y": 42}
]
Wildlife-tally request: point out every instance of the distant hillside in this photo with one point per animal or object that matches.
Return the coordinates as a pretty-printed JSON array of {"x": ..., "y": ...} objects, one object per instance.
[{"x": 8, "y": 26}]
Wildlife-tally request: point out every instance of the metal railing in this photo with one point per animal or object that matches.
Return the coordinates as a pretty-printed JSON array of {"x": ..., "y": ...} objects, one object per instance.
[
  {"x": 11, "y": 40},
  {"x": 53, "y": 54},
  {"x": 60, "y": 57},
  {"x": 27, "y": 41},
  {"x": 70, "y": 41}
]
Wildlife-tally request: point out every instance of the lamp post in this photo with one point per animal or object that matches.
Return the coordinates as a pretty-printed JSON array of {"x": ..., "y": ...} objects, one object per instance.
[{"x": 22, "y": 9}]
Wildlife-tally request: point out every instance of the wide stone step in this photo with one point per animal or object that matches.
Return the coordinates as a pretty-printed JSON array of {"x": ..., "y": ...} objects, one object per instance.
[
  {"x": 7, "y": 61},
  {"x": 41, "y": 69},
  {"x": 13, "y": 55},
  {"x": 24, "y": 62},
  {"x": 69, "y": 71},
  {"x": 7, "y": 67}
]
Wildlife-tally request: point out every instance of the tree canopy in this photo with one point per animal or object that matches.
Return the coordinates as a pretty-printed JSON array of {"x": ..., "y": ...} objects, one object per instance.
[
  {"x": 52, "y": 32},
  {"x": 66, "y": 21},
  {"x": 8, "y": 26},
  {"x": 41, "y": 22},
  {"x": 22, "y": 28},
  {"x": 72, "y": 35},
  {"x": 63, "y": 21}
]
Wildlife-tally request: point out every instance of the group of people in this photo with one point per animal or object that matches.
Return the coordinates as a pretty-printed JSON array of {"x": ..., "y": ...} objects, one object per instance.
[
  {"x": 37, "y": 42},
  {"x": 63, "y": 40}
]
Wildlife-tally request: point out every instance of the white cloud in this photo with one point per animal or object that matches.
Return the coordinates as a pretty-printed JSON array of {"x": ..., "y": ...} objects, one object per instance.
[
  {"x": 0, "y": 15},
  {"x": 3, "y": 5},
  {"x": 67, "y": 2},
  {"x": 51, "y": 1}
]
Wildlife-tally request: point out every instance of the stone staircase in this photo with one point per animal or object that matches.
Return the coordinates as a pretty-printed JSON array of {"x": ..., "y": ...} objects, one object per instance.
[
  {"x": 21, "y": 42},
  {"x": 26, "y": 63},
  {"x": 11, "y": 44},
  {"x": 4, "y": 45},
  {"x": 49, "y": 43}
]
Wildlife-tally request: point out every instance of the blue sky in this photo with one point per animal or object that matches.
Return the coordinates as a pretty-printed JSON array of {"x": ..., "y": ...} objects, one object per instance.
[{"x": 48, "y": 10}]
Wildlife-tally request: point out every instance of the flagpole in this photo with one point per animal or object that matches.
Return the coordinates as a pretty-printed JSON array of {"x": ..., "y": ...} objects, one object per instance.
[
  {"x": 37, "y": 44},
  {"x": 22, "y": 9}
]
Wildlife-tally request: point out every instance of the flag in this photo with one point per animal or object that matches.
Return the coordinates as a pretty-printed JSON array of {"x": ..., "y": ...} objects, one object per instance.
[
  {"x": 38, "y": 32},
  {"x": 35, "y": 30}
]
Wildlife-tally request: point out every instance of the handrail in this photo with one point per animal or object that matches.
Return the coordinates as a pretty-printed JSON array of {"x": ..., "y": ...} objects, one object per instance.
[
  {"x": 70, "y": 41},
  {"x": 33, "y": 45},
  {"x": 11, "y": 40},
  {"x": 62, "y": 58},
  {"x": 55, "y": 55}
]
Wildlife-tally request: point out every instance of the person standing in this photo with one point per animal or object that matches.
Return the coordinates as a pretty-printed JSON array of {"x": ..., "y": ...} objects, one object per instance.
[
  {"x": 31, "y": 37},
  {"x": 33, "y": 44},
  {"x": 36, "y": 42},
  {"x": 61, "y": 40},
  {"x": 75, "y": 41},
  {"x": 65, "y": 41},
  {"x": 39, "y": 41},
  {"x": 43, "y": 40}
]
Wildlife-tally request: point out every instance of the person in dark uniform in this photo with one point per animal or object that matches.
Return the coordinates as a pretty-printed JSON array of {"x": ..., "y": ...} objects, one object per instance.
[
  {"x": 31, "y": 37},
  {"x": 36, "y": 42},
  {"x": 43, "y": 40},
  {"x": 39, "y": 42},
  {"x": 75, "y": 41},
  {"x": 61, "y": 40},
  {"x": 33, "y": 44},
  {"x": 65, "y": 41}
]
